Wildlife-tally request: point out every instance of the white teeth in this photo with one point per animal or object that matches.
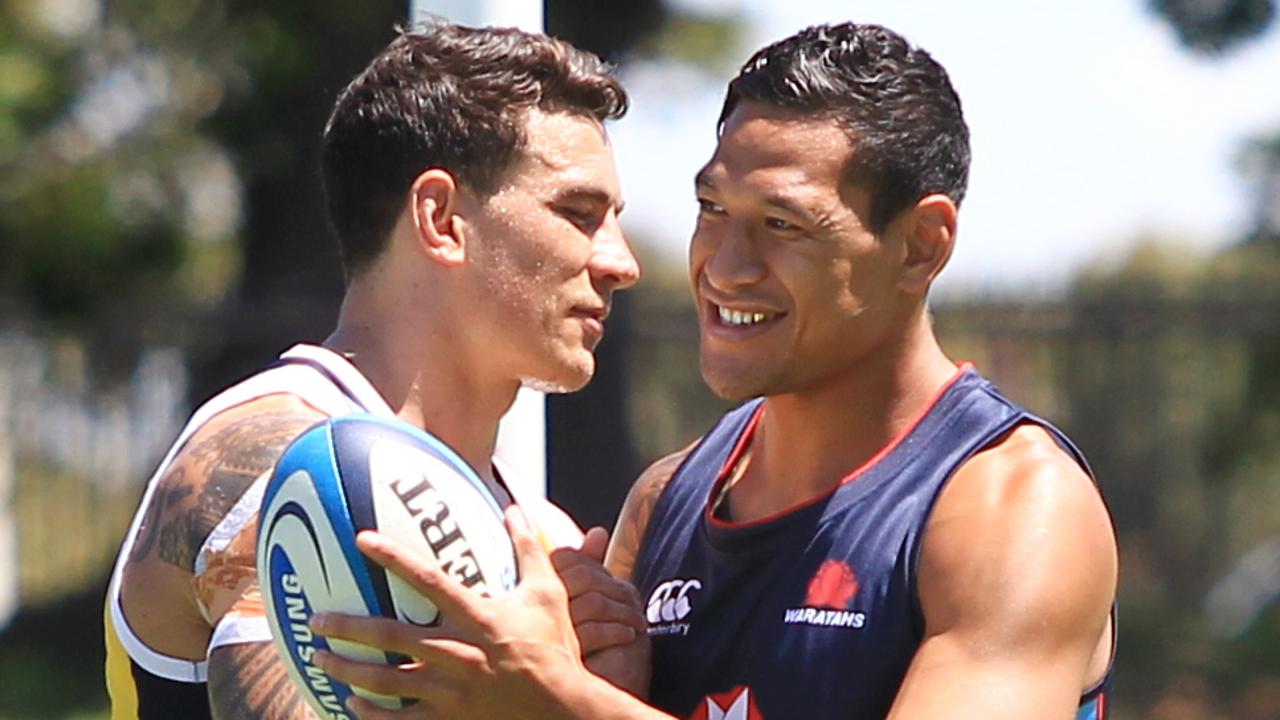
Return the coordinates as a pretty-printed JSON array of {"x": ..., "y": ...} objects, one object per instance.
[{"x": 737, "y": 317}]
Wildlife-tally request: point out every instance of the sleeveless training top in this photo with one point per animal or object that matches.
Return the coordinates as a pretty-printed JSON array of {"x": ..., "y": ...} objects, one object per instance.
[
  {"x": 813, "y": 612},
  {"x": 145, "y": 684}
]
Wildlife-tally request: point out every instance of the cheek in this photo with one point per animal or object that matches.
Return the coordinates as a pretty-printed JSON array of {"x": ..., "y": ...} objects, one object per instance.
[
  {"x": 701, "y": 246},
  {"x": 551, "y": 253},
  {"x": 835, "y": 291},
  {"x": 694, "y": 269},
  {"x": 844, "y": 285},
  {"x": 863, "y": 281}
]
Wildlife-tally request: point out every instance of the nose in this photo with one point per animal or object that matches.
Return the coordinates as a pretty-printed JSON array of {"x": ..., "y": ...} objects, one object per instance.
[
  {"x": 611, "y": 258},
  {"x": 728, "y": 255}
]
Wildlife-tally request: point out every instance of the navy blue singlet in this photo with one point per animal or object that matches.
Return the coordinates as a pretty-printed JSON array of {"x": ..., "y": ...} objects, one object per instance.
[{"x": 811, "y": 613}]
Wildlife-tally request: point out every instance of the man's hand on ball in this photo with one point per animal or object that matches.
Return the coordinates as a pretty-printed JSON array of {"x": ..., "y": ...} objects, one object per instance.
[{"x": 488, "y": 655}]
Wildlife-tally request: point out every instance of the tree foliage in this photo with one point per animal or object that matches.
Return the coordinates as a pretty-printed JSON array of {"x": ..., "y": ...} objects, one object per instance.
[{"x": 1216, "y": 26}]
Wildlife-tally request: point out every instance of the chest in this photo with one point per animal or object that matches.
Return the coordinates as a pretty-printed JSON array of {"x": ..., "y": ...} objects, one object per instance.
[{"x": 819, "y": 617}]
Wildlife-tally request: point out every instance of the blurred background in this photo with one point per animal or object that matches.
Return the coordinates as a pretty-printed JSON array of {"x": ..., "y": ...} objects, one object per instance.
[{"x": 162, "y": 234}]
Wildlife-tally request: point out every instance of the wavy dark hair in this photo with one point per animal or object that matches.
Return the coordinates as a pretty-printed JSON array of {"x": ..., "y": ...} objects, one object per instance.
[
  {"x": 895, "y": 102},
  {"x": 449, "y": 96}
]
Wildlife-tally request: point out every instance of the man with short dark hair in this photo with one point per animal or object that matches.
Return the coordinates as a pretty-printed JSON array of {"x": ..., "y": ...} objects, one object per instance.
[
  {"x": 876, "y": 531},
  {"x": 473, "y": 192}
]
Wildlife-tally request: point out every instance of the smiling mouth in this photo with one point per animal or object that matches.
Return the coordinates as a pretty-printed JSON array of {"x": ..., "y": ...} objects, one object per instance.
[
  {"x": 742, "y": 318},
  {"x": 589, "y": 312},
  {"x": 592, "y": 322}
]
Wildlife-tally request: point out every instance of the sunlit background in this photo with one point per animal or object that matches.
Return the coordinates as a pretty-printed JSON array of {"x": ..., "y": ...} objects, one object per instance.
[{"x": 1118, "y": 270}]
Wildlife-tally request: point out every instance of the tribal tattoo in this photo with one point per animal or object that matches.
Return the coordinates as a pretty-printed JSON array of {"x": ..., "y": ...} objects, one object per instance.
[
  {"x": 171, "y": 492},
  {"x": 222, "y": 466},
  {"x": 636, "y": 511},
  {"x": 250, "y": 681}
]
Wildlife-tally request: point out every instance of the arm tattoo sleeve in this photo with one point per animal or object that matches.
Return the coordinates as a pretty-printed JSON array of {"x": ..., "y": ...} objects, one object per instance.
[
  {"x": 231, "y": 460},
  {"x": 634, "y": 518},
  {"x": 250, "y": 681}
]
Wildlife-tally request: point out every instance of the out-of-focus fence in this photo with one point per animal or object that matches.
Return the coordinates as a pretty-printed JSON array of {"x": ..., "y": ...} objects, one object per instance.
[
  {"x": 1175, "y": 401},
  {"x": 74, "y": 452}
]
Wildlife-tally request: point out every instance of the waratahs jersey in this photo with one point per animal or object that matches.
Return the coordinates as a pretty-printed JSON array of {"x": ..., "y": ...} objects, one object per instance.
[{"x": 811, "y": 613}]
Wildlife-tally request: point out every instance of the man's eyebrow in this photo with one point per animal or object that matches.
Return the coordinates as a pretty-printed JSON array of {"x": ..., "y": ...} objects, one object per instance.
[
  {"x": 789, "y": 205},
  {"x": 782, "y": 202},
  {"x": 592, "y": 195}
]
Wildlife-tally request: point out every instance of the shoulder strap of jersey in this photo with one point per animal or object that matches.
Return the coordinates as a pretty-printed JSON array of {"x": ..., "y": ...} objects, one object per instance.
[
  {"x": 687, "y": 490},
  {"x": 340, "y": 389}
]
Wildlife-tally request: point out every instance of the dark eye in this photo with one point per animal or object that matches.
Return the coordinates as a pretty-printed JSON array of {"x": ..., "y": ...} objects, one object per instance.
[
  {"x": 708, "y": 207},
  {"x": 774, "y": 223},
  {"x": 584, "y": 219}
]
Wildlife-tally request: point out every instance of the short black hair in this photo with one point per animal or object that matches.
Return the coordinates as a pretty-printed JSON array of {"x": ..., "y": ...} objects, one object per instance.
[
  {"x": 894, "y": 100},
  {"x": 449, "y": 96}
]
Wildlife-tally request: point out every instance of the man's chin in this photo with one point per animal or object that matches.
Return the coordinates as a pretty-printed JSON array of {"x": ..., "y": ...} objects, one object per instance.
[
  {"x": 568, "y": 381},
  {"x": 550, "y": 387},
  {"x": 729, "y": 385},
  {"x": 732, "y": 393}
]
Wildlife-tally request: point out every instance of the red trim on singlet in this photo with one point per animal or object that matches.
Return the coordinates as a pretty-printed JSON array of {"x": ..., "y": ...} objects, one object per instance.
[{"x": 749, "y": 431}]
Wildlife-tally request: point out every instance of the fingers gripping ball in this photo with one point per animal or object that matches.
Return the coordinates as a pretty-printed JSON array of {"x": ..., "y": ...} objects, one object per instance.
[{"x": 355, "y": 473}]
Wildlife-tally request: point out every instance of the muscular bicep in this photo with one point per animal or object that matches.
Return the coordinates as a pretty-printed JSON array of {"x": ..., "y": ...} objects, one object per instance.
[
  {"x": 250, "y": 680},
  {"x": 629, "y": 531},
  {"x": 245, "y": 679},
  {"x": 1016, "y": 581}
]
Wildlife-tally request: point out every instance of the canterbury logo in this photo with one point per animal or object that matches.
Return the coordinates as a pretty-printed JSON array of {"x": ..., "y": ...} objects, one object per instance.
[{"x": 669, "y": 601}]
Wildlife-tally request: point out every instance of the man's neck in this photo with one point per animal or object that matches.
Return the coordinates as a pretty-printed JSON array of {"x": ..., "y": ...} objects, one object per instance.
[
  {"x": 424, "y": 383},
  {"x": 807, "y": 442}
]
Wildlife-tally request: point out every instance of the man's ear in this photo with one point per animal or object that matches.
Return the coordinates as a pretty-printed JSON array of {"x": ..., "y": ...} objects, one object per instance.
[
  {"x": 435, "y": 198},
  {"x": 930, "y": 234}
]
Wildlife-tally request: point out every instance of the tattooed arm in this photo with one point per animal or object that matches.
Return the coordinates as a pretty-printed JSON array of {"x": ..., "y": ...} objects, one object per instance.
[
  {"x": 250, "y": 681},
  {"x": 634, "y": 517},
  {"x": 174, "y": 611},
  {"x": 210, "y": 474}
]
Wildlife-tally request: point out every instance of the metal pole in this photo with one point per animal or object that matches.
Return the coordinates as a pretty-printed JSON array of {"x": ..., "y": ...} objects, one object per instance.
[
  {"x": 8, "y": 514},
  {"x": 524, "y": 14}
]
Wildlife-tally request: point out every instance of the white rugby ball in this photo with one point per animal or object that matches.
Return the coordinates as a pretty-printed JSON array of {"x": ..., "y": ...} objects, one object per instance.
[{"x": 362, "y": 472}]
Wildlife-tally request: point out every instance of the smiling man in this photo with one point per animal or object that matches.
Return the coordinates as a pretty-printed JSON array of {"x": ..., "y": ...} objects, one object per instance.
[
  {"x": 876, "y": 532},
  {"x": 472, "y": 187}
]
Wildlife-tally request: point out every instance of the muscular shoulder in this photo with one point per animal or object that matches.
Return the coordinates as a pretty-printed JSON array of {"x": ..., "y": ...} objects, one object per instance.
[
  {"x": 207, "y": 476},
  {"x": 634, "y": 517},
  {"x": 1024, "y": 474},
  {"x": 212, "y": 470},
  {"x": 1020, "y": 537}
]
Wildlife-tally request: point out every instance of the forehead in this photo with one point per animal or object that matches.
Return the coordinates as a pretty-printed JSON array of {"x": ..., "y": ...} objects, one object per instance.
[
  {"x": 565, "y": 150},
  {"x": 765, "y": 145}
]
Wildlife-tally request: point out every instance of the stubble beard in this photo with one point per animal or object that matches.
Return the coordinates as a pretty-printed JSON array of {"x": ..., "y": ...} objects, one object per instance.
[
  {"x": 737, "y": 377},
  {"x": 547, "y": 387},
  {"x": 727, "y": 385},
  {"x": 562, "y": 386}
]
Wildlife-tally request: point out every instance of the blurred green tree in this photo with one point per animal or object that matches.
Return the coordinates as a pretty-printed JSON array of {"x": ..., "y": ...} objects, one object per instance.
[
  {"x": 1215, "y": 26},
  {"x": 1174, "y": 391},
  {"x": 157, "y": 162}
]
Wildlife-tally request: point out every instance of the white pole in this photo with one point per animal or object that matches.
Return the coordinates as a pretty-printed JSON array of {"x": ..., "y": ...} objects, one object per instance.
[
  {"x": 522, "y": 436},
  {"x": 8, "y": 516},
  {"x": 524, "y": 14}
]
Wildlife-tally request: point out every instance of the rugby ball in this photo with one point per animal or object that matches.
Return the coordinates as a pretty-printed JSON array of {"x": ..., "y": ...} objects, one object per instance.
[{"x": 359, "y": 472}]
